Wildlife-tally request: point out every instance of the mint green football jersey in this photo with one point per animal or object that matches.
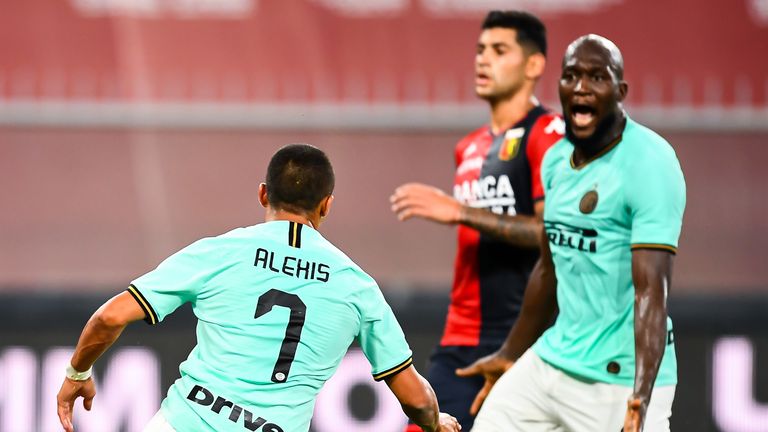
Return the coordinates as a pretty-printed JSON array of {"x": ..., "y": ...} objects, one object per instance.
[
  {"x": 630, "y": 196},
  {"x": 277, "y": 307}
]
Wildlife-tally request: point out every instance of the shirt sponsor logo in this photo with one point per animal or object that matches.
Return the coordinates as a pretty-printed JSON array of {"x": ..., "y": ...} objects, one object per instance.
[
  {"x": 204, "y": 397},
  {"x": 564, "y": 235},
  {"x": 489, "y": 192}
]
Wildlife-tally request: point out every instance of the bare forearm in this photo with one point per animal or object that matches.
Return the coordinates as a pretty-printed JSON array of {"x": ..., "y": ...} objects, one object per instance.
[
  {"x": 416, "y": 397},
  {"x": 650, "y": 339},
  {"x": 651, "y": 275},
  {"x": 520, "y": 230},
  {"x": 426, "y": 416},
  {"x": 98, "y": 335},
  {"x": 538, "y": 310},
  {"x": 104, "y": 328}
]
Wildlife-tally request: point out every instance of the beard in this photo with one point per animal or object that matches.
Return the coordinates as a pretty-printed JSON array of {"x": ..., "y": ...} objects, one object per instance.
[{"x": 600, "y": 137}]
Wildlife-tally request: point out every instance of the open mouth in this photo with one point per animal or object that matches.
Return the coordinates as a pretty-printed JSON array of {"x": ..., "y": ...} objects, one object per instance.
[
  {"x": 582, "y": 115},
  {"x": 481, "y": 78}
]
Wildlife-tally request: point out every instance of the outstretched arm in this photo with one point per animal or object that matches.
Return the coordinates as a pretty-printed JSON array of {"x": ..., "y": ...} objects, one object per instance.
[
  {"x": 419, "y": 401},
  {"x": 427, "y": 202},
  {"x": 99, "y": 333},
  {"x": 538, "y": 309},
  {"x": 539, "y": 305},
  {"x": 520, "y": 230},
  {"x": 651, "y": 274}
]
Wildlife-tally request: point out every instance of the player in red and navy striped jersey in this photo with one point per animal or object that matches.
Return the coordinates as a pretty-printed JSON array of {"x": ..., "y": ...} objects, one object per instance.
[{"x": 497, "y": 204}]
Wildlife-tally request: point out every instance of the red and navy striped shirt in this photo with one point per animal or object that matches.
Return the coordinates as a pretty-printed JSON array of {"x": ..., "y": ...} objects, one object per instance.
[{"x": 499, "y": 173}]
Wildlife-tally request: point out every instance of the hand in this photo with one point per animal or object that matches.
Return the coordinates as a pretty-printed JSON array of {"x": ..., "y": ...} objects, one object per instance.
[
  {"x": 420, "y": 200},
  {"x": 633, "y": 421},
  {"x": 65, "y": 400},
  {"x": 491, "y": 367},
  {"x": 448, "y": 423}
]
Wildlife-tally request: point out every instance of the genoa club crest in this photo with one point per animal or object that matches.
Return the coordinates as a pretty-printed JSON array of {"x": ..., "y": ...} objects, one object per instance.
[{"x": 511, "y": 144}]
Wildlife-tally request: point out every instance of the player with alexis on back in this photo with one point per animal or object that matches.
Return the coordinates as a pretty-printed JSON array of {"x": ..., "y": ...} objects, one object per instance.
[
  {"x": 497, "y": 203},
  {"x": 277, "y": 306}
]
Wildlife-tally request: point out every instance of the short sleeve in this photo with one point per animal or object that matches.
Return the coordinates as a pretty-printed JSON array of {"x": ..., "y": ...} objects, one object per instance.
[
  {"x": 177, "y": 280},
  {"x": 381, "y": 337},
  {"x": 547, "y": 130},
  {"x": 656, "y": 200}
]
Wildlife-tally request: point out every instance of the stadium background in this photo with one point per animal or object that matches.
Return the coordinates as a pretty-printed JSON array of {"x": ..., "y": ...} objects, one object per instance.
[{"x": 129, "y": 129}]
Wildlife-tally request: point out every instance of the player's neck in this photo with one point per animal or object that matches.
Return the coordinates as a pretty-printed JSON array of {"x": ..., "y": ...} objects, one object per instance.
[
  {"x": 282, "y": 215},
  {"x": 588, "y": 149},
  {"x": 507, "y": 112}
]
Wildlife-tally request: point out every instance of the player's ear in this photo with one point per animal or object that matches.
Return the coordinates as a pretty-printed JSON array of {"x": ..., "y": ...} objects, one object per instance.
[
  {"x": 534, "y": 66},
  {"x": 263, "y": 195},
  {"x": 325, "y": 206},
  {"x": 623, "y": 90}
]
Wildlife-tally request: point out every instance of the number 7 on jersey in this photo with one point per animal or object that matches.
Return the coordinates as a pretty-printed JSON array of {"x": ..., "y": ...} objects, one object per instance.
[{"x": 298, "y": 309}]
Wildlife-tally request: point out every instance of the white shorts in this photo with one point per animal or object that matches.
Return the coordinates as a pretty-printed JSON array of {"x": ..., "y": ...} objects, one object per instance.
[
  {"x": 158, "y": 423},
  {"x": 535, "y": 397}
]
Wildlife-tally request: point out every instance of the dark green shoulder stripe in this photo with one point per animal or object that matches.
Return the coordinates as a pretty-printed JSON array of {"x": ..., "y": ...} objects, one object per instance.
[
  {"x": 393, "y": 371},
  {"x": 659, "y": 246},
  {"x": 150, "y": 315}
]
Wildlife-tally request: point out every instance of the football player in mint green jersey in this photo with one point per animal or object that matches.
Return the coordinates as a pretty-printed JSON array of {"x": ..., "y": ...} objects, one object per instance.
[
  {"x": 277, "y": 306},
  {"x": 615, "y": 200}
]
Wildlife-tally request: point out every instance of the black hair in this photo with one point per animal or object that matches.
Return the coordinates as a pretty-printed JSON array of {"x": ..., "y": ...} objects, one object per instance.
[
  {"x": 531, "y": 32},
  {"x": 299, "y": 176}
]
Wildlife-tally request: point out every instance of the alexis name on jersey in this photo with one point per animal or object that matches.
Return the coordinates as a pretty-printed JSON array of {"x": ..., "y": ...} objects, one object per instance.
[
  {"x": 488, "y": 192},
  {"x": 292, "y": 266}
]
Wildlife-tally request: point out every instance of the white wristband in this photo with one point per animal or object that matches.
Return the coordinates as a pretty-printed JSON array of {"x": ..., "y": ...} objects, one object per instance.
[{"x": 74, "y": 375}]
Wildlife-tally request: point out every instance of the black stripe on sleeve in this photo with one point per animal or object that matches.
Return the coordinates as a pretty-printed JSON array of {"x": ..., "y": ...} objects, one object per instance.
[
  {"x": 393, "y": 371},
  {"x": 150, "y": 317}
]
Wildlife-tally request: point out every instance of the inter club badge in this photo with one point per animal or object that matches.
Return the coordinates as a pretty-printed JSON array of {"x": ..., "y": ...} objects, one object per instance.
[{"x": 588, "y": 201}]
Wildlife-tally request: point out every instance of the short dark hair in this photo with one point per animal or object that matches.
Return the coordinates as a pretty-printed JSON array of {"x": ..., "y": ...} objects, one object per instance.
[
  {"x": 531, "y": 32},
  {"x": 299, "y": 176}
]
